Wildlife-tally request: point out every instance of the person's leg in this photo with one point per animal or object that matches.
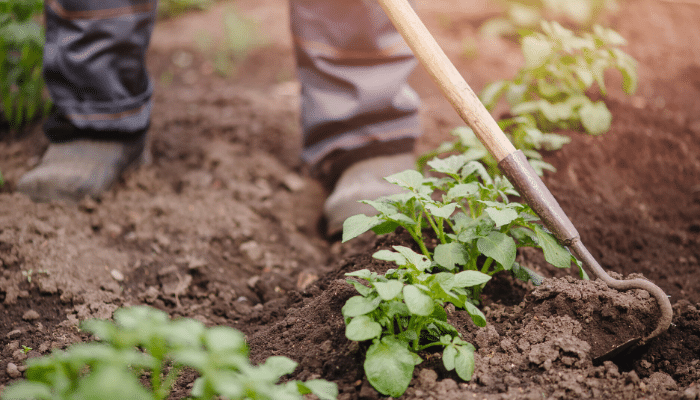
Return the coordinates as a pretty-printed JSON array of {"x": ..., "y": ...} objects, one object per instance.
[
  {"x": 94, "y": 66},
  {"x": 359, "y": 115}
]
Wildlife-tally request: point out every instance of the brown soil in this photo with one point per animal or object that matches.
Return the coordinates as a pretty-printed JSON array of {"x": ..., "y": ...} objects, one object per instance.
[{"x": 223, "y": 225}]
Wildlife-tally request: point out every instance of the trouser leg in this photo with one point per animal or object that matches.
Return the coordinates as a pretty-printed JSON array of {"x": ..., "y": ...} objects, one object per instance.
[
  {"x": 94, "y": 66},
  {"x": 353, "y": 67}
]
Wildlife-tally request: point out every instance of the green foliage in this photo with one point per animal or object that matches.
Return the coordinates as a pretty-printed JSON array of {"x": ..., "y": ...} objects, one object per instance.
[
  {"x": 21, "y": 55},
  {"x": 525, "y": 15},
  {"x": 479, "y": 231},
  {"x": 401, "y": 311},
  {"x": 551, "y": 92},
  {"x": 171, "y": 8},
  {"x": 560, "y": 68},
  {"x": 142, "y": 343}
]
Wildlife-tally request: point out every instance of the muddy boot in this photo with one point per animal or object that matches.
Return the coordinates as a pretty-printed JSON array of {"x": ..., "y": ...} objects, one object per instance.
[
  {"x": 71, "y": 170},
  {"x": 363, "y": 180}
]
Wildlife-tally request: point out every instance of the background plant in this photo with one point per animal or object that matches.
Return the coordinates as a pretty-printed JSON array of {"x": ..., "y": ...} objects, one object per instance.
[
  {"x": 552, "y": 91},
  {"x": 525, "y": 15},
  {"x": 560, "y": 70},
  {"x": 171, "y": 8},
  {"x": 21, "y": 55},
  {"x": 144, "y": 344},
  {"x": 478, "y": 229}
]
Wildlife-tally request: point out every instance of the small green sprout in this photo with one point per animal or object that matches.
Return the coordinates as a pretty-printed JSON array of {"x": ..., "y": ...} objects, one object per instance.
[
  {"x": 30, "y": 273},
  {"x": 26, "y": 349}
]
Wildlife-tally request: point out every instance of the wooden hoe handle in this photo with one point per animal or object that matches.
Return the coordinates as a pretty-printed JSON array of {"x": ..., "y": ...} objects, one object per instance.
[
  {"x": 446, "y": 76},
  {"x": 512, "y": 162}
]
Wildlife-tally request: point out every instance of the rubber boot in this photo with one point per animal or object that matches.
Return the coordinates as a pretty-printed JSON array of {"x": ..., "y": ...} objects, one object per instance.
[
  {"x": 363, "y": 180},
  {"x": 72, "y": 170}
]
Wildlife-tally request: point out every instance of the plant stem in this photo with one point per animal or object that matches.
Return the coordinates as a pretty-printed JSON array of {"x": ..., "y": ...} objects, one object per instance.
[{"x": 486, "y": 265}]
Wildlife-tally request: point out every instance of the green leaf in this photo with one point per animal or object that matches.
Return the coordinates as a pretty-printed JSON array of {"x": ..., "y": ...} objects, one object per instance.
[
  {"x": 362, "y": 328},
  {"x": 536, "y": 51},
  {"x": 450, "y": 165},
  {"x": 498, "y": 246},
  {"x": 450, "y": 255},
  {"x": 409, "y": 179},
  {"x": 388, "y": 290},
  {"x": 462, "y": 190},
  {"x": 502, "y": 217},
  {"x": 221, "y": 339},
  {"x": 361, "y": 289},
  {"x": 418, "y": 303},
  {"x": 384, "y": 207},
  {"x": 554, "y": 253},
  {"x": 389, "y": 366},
  {"x": 492, "y": 92},
  {"x": 595, "y": 117},
  {"x": 324, "y": 390},
  {"x": 464, "y": 362},
  {"x": 27, "y": 390},
  {"x": 420, "y": 261},
  {"x": 477, "y": 316},
  {"x": 386, "y": 227},
  {"x": 359, "y": 224},
  {"x": 470, "y": 278},
  {"x": 401, "y": 219},
  {"x": 388, "y": 255},
  {"x": 359, "y": 305},
  {"x": 441, "y": 211},
  {"x": 194, "y": 358},
  {"x": 585, "y": 75},
  {"x": 111, "y": 383},
  {"x": 279, "y": 366},
  {"x": 448, "y": 357},
  {"x": 526, "y": 274},
  {"x": 362, "y": 273},
  {"x": 581, "y": 271}
]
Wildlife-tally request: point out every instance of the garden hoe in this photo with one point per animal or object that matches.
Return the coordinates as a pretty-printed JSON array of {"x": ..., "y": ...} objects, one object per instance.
[{"x": 512, "y": 162}]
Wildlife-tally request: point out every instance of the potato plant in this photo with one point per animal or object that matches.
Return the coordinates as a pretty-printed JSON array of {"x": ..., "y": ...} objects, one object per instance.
[
  {"x": 478, "y": 229},
  {"x": 525, "y": 15},
  {"x": 560, "y": 68},
  {"x": 144, "y": 344},
  {"x": 551, "y": 92}
]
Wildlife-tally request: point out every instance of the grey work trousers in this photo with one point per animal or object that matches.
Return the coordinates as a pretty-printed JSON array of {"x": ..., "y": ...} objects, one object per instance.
[{"x": 352, "y": 64}]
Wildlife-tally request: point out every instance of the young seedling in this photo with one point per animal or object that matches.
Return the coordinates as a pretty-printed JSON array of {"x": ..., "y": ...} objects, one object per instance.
[
  {"x": 30, "y": 273},
  {"x": 478, "y": 229},
  {"x": 402, "y": 313},
  {"x": 143, "y": 343}
]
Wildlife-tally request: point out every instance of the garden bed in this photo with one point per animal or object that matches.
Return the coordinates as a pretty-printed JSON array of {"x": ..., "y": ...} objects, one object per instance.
[{"x": 223, "y": 225}]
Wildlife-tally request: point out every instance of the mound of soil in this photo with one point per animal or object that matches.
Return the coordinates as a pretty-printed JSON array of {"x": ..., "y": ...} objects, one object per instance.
[{"x": 223, "y": 225}]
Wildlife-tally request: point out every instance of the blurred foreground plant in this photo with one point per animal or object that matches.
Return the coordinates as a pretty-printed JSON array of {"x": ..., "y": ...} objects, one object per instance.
[{"x": 144, "y": 344}]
